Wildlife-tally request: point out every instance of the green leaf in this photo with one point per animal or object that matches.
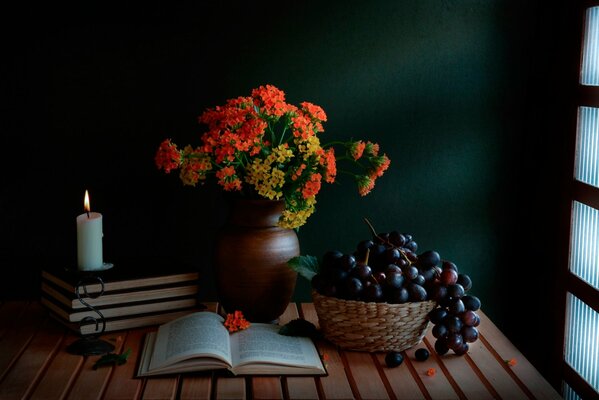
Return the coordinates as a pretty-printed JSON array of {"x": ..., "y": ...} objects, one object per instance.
[
  {"x": 299, "y": 327},
  {"x": 306, "y": 266},
  {"x": 112, "y": 359}
]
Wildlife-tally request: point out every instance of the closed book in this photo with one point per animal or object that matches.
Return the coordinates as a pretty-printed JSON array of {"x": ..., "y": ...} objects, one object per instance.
[
  {"x": 119, "y": 297},
  {"x": 120, "y": 278},
  {"x": 119, "y": 310},
  {"x": 130, "y": 322}
]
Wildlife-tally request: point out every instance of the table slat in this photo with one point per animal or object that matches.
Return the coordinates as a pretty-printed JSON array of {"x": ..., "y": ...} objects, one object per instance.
[
  {"x": 524, "y": 370},
  {"x": 20, "y": 332},
  {"x": 437, "y": 385},
  {"x": 123, "y": 384},
  {"x": 494, "y": 372},
  {"x": 60, "y": 373},
  {"x": 461, "y": 372},
  {"x": 367, "y": 380},
  {"x": 160, "y": 388},
  {"x": 9, "y": 313},
  {"x": 336, "y": 384},
  {"x": 230, "y": 388},
  {"x": 266, "y": 387},
  {"x": 400, "y": 380},
  {"x": 298, "y": 387},
  {"x": 30, "y": 366},
  {"x": 91, "y": 383}
]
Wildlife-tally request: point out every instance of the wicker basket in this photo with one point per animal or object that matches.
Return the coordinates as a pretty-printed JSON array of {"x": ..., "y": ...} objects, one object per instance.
[{"x": 362, "y": 326}]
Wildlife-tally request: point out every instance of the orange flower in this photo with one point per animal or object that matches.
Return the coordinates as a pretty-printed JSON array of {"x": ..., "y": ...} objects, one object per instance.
[
  {"x": 236, "y": 322},
  {"x": 261, "y": 146},
  {"x": 511, "y": 362},
  {"x": 431, "y": 372}
]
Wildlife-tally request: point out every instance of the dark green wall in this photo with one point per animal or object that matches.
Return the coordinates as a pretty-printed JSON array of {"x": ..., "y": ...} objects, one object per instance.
[{"x": 455, "y": 92}]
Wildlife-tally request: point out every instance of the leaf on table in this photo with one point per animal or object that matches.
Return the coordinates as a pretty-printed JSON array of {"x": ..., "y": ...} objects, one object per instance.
[
  {"x": 111, "y": 359},
  {"x": 299, "y": 327},
  {"x": 306, "y": 266}
]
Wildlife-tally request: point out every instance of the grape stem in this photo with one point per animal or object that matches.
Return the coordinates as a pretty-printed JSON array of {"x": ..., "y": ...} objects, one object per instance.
[{"x": 376, "y": 235}]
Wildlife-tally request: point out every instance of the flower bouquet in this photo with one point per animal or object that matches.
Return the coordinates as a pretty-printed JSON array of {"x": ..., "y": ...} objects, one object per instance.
[{"x": 263, "y": 147}]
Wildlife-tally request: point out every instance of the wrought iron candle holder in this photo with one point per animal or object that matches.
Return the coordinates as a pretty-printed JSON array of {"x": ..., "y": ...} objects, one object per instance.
[{"x": 91, "y": 344}]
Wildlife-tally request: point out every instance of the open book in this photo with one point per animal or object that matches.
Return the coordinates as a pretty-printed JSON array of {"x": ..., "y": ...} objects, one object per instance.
[{"x": 200, "y": 341}]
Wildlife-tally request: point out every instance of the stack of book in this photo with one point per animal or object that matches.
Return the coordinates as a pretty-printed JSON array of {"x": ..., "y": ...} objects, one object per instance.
[{"x": 130, "y": 299}]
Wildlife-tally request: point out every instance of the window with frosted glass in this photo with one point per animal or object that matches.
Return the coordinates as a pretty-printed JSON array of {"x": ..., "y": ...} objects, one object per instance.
[
  {"x": 586, "y": 167},
  {"x": 582, "y": 340},
  {"x": 589, "y": 74},
  {"x": 584, "y": 248},
  {"x": 570, "y": 394}
]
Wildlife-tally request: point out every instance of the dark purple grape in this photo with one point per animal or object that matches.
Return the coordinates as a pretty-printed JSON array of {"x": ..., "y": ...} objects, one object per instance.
[
  {"x": 397, "y": 239},
  {"x": 419, "y": 280},
  {"x": 393, "y": 359},
  {"x": 463, "y": 349},
  {"x": 454, "y": 340},
  {"x": 438, "y": 293},
  {"x": 470, "y": 334},
  {"x": 448, "y": 277},
  {"x": 377, "y": 251},
  {"x": 394, "y": 280},
  {"x": 421, "y": 354},
  {"x": 392, "y": 255},
  {"x": 439, "y": 331},
  {"x": 455, "y": 291},
  {"x": 465, "y": 281},
  {"x": 330, "y": 259},
  {"x": 397, "y": 296},
  {"x": 428, "y": 259},
  {"x": 456, "y": 306},
  {"x": 379, "y": 277},
  {"x": 373, "y": 292},
  {"x": 318, "y": 282},
  {"x": 408, "y": 237},
  {"x": 410, "y": 272},
  {"x": 392, "y": 268},
  {"x": 477, "y": 321},
  {"x": 441, "y": 346},
  {"x": 453, "y": 323},
  {"x": 381, "y": 238},
  {"x": 471, "y": 302},
  {"x": 469, "y": 317},
  {"x": 353, "y": 287},
  {"x": 347, "y": 262},
  {"x": 336, "y": 275},
  {"x": 365, "y": 245},
  {"x": 402, "y": 263},
  {"x": 362, "y": 272},
  {"x": 449, "y": 265},
  {"x": 437, "y": 315},
  {"x": 329, "y": 290},
  {"x": 412, "y": 246},
  {"x": 416, "y": 292},
  {"x": 428, "y": 274}
]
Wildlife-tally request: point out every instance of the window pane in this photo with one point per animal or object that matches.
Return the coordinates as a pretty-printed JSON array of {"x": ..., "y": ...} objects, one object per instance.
[
  {"x": 586, "y": 168},
  {"x": 590, "y": 51},
  {"x": 584, "y": 250},
  {"x": 569, "y": 393},
  {"x": 582, "y": 340}
]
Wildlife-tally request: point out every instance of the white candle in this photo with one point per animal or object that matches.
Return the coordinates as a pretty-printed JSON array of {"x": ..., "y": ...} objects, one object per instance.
[{"x": 89, "y": 239}]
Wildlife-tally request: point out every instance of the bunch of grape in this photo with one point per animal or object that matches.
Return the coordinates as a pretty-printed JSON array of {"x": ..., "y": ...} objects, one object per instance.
[
  {"x": 385, "y": 268},
  {"x": 388, "y": 269},
  {"x": 455, "y": 319}
]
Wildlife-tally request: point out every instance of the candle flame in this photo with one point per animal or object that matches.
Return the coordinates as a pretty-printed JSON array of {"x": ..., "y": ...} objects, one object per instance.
[{"x": 86, "y": 207}]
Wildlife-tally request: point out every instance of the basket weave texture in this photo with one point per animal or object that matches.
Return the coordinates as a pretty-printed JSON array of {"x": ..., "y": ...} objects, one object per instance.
[{"x": 370, "y": 326}]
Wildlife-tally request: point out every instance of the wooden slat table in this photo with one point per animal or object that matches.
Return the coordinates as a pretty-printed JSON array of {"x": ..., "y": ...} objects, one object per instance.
[{"x": 35, "y": 365}]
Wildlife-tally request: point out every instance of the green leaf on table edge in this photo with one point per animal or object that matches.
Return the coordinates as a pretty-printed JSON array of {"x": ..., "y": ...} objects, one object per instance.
[
  {"x": 306, "y": 266},
  {"x": 299, "y": 327},
  {"x": 112, "y": 359}
]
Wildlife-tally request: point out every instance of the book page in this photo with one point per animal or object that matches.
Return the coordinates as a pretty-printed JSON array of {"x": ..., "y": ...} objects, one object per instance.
[
  {"x": 261, "y": 343},
  {"x": 196, "y": 335}
]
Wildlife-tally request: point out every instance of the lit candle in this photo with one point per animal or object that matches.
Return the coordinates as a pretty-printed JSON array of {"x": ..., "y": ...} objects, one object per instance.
[{"x": 89, "y": 238}]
